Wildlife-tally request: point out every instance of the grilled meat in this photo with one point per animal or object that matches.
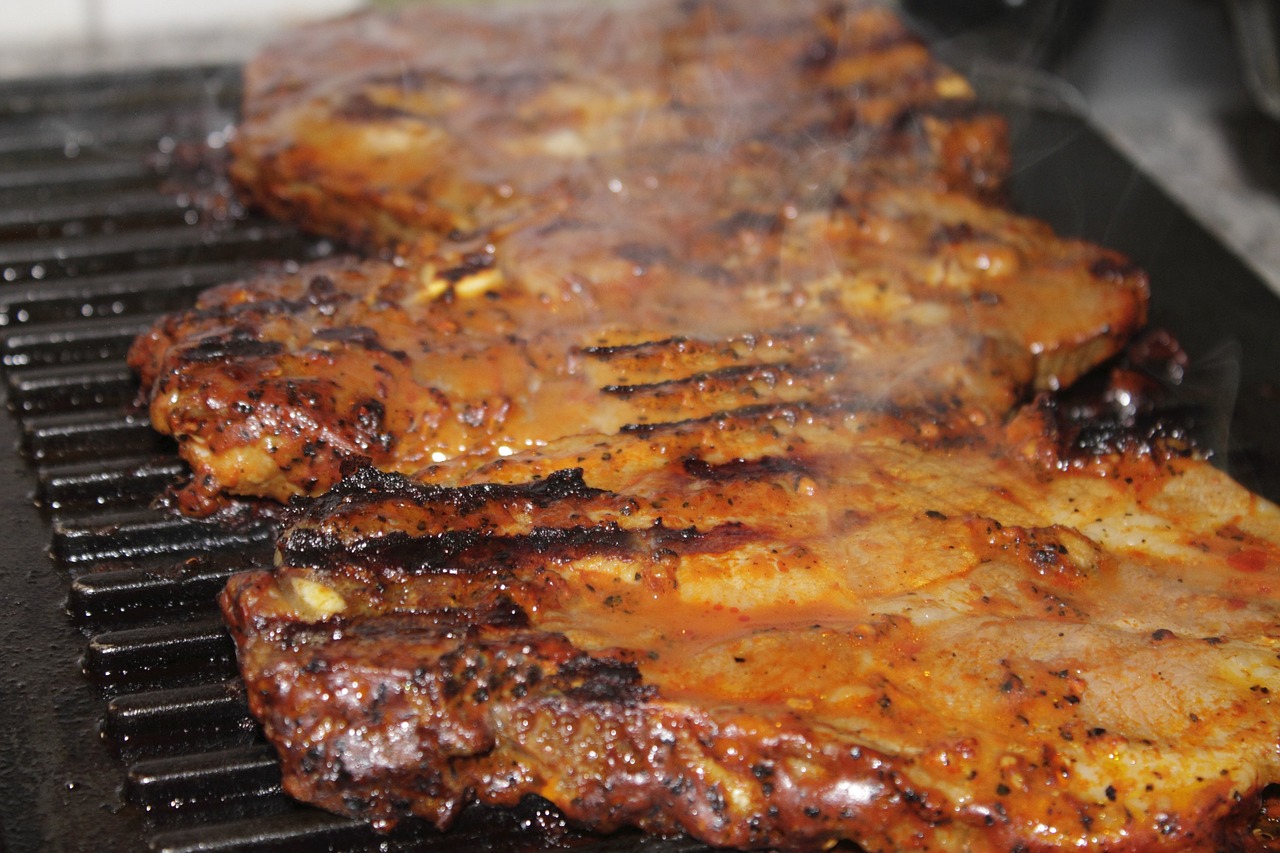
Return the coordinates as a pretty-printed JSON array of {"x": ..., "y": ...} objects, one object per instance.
[
  {"x": 411, "y": 128},
  {"x": 730, "y": 208},
  {"x": 785, "y": 628},
  {"x": 898, "y": 295},
  {"x": 686, "y": 483}
]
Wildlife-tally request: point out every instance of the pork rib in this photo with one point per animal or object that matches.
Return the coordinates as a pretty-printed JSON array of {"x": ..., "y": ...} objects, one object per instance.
[
  {"x": 899, "y": 295},
  {"x": 411, "y": 127},
  {"x": 723, "y": 174},
  {"x": 782, "y": 630}
]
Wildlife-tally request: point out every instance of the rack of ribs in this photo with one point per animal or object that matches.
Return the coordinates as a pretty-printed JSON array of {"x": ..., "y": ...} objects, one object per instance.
[
  {"x": 680, "y": 448},
  {"x": 784, "y": 629}
]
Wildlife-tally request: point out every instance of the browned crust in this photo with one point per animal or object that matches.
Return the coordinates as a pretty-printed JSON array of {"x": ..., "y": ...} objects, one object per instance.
[{"x": 528, "y": 635}]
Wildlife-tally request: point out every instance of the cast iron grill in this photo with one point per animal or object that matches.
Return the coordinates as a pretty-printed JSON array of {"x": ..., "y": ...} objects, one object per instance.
[{"x": 113, "y": 211}]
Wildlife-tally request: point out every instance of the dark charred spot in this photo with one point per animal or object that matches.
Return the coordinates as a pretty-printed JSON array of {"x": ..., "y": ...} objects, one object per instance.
[
  {"x": 504, "y": 613},
  {"x": 360, "y": 336},
  {"x": 1046, "y": 557},
  {"x": 321, "y": 290},
  {"x": 359, "y": 107},
  {"x": 594, "y": 679},
  {"x": 560, "y": 485},
  {"x": 1162, "y": 634},
  {"x": 238, "y": 344},
  {"x": 1168, "y": 824},
  {"x": 716, "y": 800},
  {"x": 1128, "y": 414},
  {"x": 743, "y": 469},
  {"x": 370, "y": 416},
  {"x": 472, "y": 263},
  {"x": 355, "y": 805},
  {"x": 607, "y": 352},
  {"x": 735, "y": 377},
  {"x": 312, "y": 760},
  {"x": 362, "y": 483}
]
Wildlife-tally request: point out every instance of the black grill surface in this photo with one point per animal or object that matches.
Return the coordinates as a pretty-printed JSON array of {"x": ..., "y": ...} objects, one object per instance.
[{"x": 122, "y": 721}]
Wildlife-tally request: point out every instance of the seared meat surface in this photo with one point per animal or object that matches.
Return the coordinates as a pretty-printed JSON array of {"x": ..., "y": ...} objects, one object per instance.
[
  {"x": 897, "y": 295},
  {"x": 785, "y": 628},
  {"x": 430, "y": 124},
  {"x": 673, "y": 458},
  {"x": 759, "y": 203}
]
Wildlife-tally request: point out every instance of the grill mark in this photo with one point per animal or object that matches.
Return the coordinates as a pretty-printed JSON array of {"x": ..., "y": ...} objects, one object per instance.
[
  {"x": 361, "y": 336},
  {"x": 454, "y": 552},
  {"x": 679, "y": 343},
  {"x": 364, "y": 485},
  {"x": 238, "y": 344},
  {"x": 502, "y": 614},
  {"x": 321, "y": 295},
  {"x": 726, "y": 377},
  {"x": 471, "y": 264},
  {"x": 747, "y": 415},
  {"x": 744, "y": 469},
  {"x": 689, "y": 541},
  {"x": 474, "y": 552},
  {"x": 803, "y": 337}
]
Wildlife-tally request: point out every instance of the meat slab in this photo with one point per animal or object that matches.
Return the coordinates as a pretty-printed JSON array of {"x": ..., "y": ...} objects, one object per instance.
[
  {"x": 733, "y": 204},
  {"x": 783, "y": 630},
  {"x": 682, "y": 450}
]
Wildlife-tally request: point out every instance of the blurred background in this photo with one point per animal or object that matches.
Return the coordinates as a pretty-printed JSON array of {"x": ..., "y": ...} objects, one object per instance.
[{"x": 1189, "y": 90}]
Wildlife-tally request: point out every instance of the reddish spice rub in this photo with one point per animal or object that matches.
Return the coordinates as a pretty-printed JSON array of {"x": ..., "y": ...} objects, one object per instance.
[
  {"x": 781, "y": 630},
  {"x": 775, "y": 558},
  {"x": 614, "y": 215}
]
